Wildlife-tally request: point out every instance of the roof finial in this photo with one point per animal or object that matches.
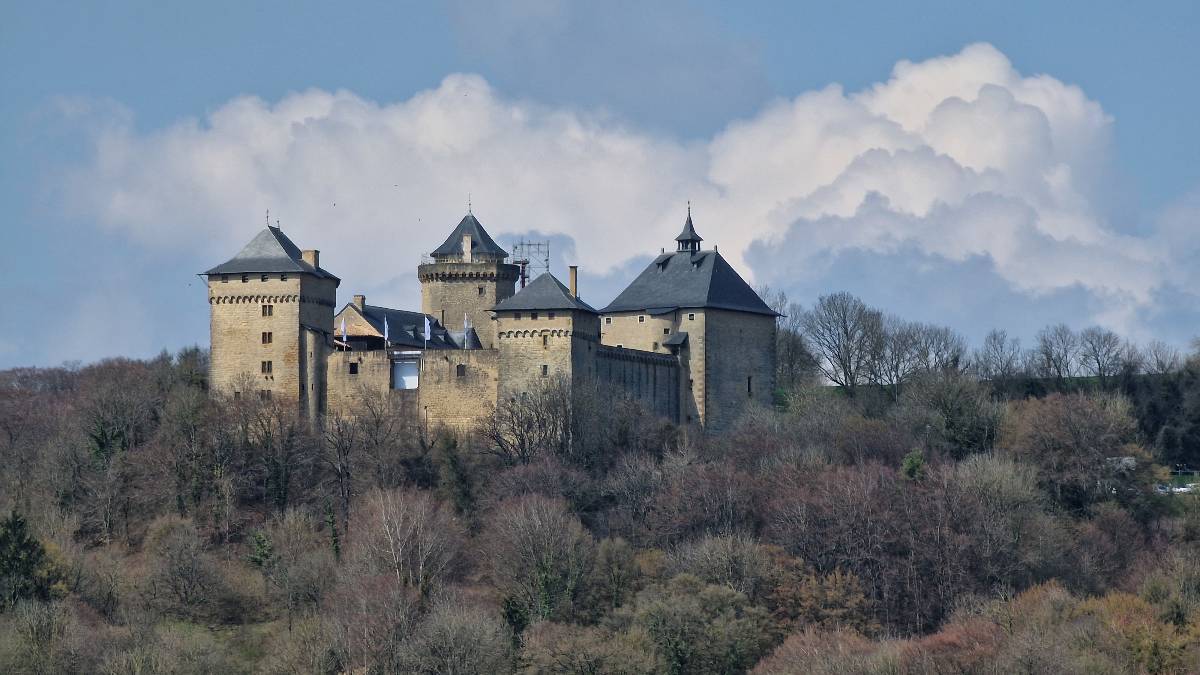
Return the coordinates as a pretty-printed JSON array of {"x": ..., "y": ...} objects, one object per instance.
[
  {"x": 468, "y": 203},
  {"x": 268, "y": 217},
  {"x": 277, "y": 225},
  {"x": 689, "y": 208}
]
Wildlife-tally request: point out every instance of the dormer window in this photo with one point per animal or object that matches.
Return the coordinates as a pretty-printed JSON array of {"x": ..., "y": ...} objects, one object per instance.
[
  {"x": 224, "y": 278},
  {"x": 533, "y": 315},
  {"x": 245, "y": 278},
  {"x": 641, "y": 318},
  {"x": 264, "y": 277}
]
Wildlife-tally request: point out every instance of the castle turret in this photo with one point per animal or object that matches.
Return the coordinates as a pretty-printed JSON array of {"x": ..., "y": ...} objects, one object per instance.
[
  {"x": 271, "y": 313},
  {"x": 545, "y": 333},
  {"x": 467, "y": 277}
]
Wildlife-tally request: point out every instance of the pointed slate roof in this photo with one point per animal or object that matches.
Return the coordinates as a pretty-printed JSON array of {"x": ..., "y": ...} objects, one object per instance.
[
  {"x": 543, "y": 293},
  {"x": 481, "y": 242},
  {"x": 689, "y": 232},
  {"x": 269, "y": 251},
  {"x": 687, "y": 279}
]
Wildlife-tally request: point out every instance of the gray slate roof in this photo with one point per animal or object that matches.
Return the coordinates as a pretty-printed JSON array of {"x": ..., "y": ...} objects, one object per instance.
[
  {"x": 544, "y": 292},
  {"x": 269, "y": 251},
  {"x": 689, "y": 231},
  {"x": 481, "y": 242},
  {"x": 408, "y": 328},
  {"x": 689, "y": 280}
]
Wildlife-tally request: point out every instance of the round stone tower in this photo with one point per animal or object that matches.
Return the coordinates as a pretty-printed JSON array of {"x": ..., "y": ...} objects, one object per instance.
[{"x": 467, "y": 277}]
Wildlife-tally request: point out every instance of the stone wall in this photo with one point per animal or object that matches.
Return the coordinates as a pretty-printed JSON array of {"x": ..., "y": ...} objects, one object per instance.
[
  {"x": 648, "y": 378},
  {"x": 450, "y": 290},
  {"x": 301, "y": 314},
  {"x": 344, "y": 389},
  {"x": 457, "y": 387},
  {"x": 536, "y": 351},
  {"x": 647, "y": 332},
  {"x": 739, "y": 364}
]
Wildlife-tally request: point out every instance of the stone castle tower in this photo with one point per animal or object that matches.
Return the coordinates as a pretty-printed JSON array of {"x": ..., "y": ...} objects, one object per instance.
[
  {"x": 271, "y": 308},
  {"x": 467, "y": 277}
]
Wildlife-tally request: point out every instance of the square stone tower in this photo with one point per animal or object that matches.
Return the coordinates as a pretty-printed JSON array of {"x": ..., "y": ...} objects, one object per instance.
[
  {"x": 467, "y": 277},
  {"x": 271, "y": 317}
]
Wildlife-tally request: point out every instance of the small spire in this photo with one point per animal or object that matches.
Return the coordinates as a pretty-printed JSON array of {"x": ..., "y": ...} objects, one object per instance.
[
  {"x": 688, "y": 239},
  {"x": 268, "y": 217},
  {"x": 689, "y": 209},
  {"x": 468, "y": 203}
]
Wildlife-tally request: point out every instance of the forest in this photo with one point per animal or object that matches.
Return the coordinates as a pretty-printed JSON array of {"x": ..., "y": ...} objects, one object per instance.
[{"x": 908, "y": 505}]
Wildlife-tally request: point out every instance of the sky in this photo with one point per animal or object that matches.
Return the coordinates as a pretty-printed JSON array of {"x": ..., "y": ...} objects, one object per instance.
[{"x": 978, "y": 165}]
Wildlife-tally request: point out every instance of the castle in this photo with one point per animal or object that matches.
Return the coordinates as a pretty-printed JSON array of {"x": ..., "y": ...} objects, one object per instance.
[{"x": 688, "y": 338}]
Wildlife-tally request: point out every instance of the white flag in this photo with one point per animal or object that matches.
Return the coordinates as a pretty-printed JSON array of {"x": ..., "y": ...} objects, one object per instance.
[
  {"x": 466, "y": 323},
  {"x": 385, "y": 330},
  {"x": 427, "y": 332},
  {"x": 343, "y": 329}
]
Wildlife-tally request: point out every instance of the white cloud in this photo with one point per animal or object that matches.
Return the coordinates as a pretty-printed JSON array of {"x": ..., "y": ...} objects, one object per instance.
[{"x": 959, "y": 157}]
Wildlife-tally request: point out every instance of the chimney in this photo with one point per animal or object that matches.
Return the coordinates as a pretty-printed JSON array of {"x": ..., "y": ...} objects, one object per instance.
[
  {"x": 312, "y": 257},
  {"x": 574, "y": 281},
  {"x": 359, "y": 301},
  {"x": 466, "y": 248}
]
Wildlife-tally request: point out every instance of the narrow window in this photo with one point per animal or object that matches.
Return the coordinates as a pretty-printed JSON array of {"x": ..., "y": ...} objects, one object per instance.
[
  {"x": 533, "y": 315},
  {"x": 460, "y": 370},
  {"x": 266, "y": 367},
  {"x": 480, "y": 290},
  {"x": 268, "y": 310},
  {"x": 691, "y": 317},
  {"x": 266, "y": 337},
  {"x": 245, "y": 278},
  {"x": 545, "y": 370},
  {"x": 749, "y": 385},
  {"x": 264, "y": 277},
  {"x": 607, "y": 320},
  {"x": 545, "y": 341},
  {"x": 666, "y": 331},
  {"x": 620, "y": 346},
  {"x": 283, "y": 276},
  {"x": 237, "y": 395},
  {"x": 264, "y": 394},
  {"x": 654, "y": 347},
  {"x": 642, "y": 318},
  {"x": 224, "y": 278},
  {"x": 550, "y": 315},
  {"x": 353, "y": 368}
]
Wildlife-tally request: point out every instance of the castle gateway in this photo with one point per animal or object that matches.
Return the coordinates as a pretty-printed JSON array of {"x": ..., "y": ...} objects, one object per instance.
[{"x": 688, "y": 338}]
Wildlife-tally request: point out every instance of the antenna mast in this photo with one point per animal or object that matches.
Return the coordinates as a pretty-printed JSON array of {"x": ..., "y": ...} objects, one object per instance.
[{"x": 528, "y": 254}]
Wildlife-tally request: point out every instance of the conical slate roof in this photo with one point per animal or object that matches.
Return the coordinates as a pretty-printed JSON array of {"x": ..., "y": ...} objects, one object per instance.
[
  {"x": 481, "y": 242},
  {"x": 269, "y": 251},
  {"x": 687, "y": 279},
  {"x": 689, "y": 231},
  {"x": 543, "y": 293}
]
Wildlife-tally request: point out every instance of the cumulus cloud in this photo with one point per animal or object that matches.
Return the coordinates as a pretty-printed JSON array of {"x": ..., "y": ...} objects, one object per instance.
[{"x": 960, "y": 160}]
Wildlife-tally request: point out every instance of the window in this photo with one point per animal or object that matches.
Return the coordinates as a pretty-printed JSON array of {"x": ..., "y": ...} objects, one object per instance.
[
  {"x": 608, "y": 320},
  {"x": 654, "y": 347},
  {"x": 266, "y": 367},
  {"x": 545, "y": 341},
  {"x": 267, "y": 337},
  {"x": 642, "y": 318},
  {"x": 237, "y": 395},
  {"x": 353, "y": 368},
  {"x": 283, "y": 276},
  {"x": 691, "y": 317},
  {"x": 517, "y": 315},
  {"x": 545, "y": 370},
  {"x": 224, "y": 278},
  {"x": 268, "y": 310},
  {"x": 479, "y": 289},
  {"x": 245, "y": 278},
  {"x": 666, "y": 331},
  {"x": 264, "y": 277},
  {"x": 550, "y": 315},
  {"x": 460, "y": 370},
  {"x": 749, "y": 385},
  {"x": 620, "y": 346},
  {"x": 264, "y": 394},
  {"x": 533, "y": 315}
]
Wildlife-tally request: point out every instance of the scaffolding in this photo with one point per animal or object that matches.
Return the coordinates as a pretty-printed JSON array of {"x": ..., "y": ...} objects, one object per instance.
[{"x": 531, "y": 254}]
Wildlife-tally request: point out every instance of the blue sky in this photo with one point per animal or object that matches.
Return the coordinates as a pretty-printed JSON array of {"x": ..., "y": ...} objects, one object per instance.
[{"x": 142, "y": 143}]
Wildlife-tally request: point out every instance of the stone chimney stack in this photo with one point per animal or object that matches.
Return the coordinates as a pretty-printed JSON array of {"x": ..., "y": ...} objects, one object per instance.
[
  {"x": 574, "y": 276},
  {"x": 466, "y": 248},
  {"x": 312, "y": 257},
  {"x": 359, "y": 301}
]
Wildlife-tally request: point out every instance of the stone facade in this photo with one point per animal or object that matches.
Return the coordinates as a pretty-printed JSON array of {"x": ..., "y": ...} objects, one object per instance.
[{"x": 286, "y": 320}]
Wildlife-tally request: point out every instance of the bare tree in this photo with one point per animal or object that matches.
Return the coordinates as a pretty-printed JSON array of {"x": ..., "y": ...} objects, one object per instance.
[
  {"x": 940, "y": 349},
  {"x": 1099, "y": 353},
  {"x": 1056, "y": 352},
  {"x": 1161, "y": 358},
  {"x": 795, "y": 363},
  {"x": 409, "y": 536},
  {"x": 894, "y": 353},
  {"x": 842, "y": 329},
  {"x": 339, "y": 456},
  {"x": 999, "y": 359},
  {"x": 533, "y": 423}
]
